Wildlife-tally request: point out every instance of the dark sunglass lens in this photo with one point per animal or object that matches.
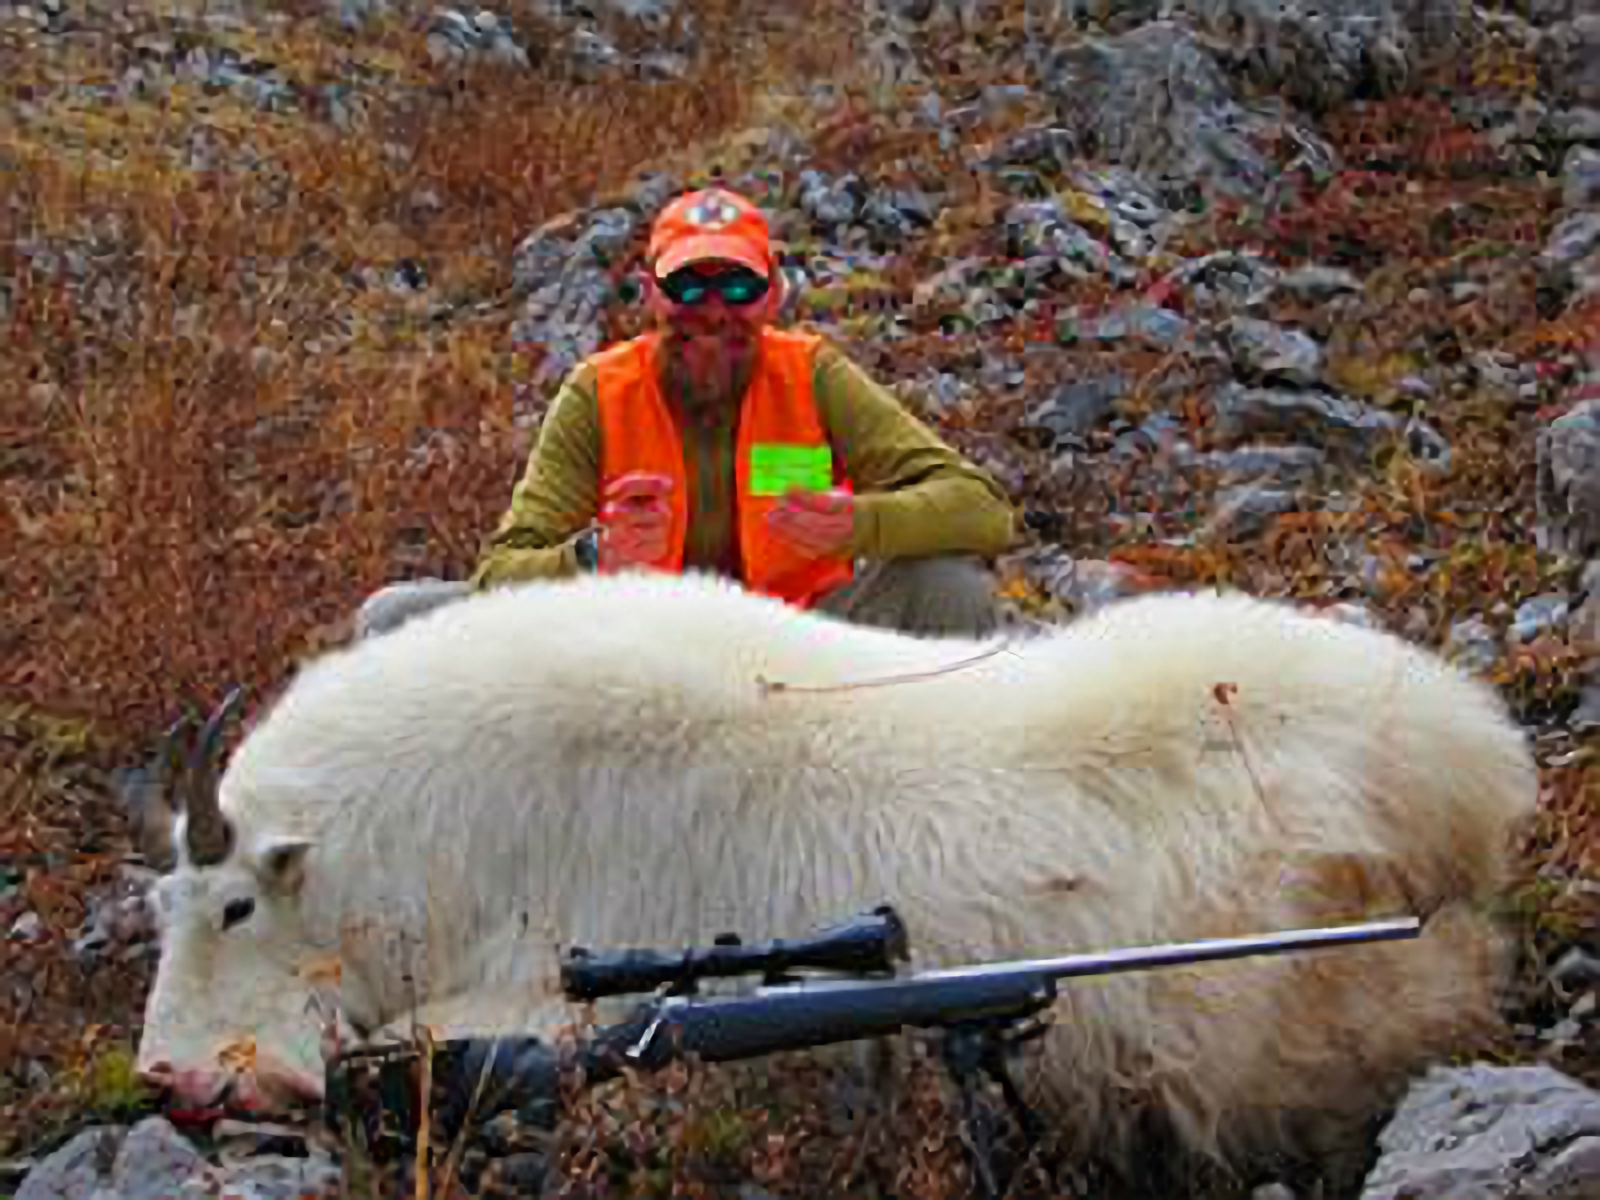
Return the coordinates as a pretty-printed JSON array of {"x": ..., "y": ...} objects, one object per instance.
[
  {"x": 691, "y": 287},
  {"x": 742, "y": 289},
  {"x": 685, "y": 288}
]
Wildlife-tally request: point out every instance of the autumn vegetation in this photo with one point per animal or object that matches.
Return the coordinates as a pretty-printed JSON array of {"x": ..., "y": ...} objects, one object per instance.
[{"x": 220, "y": 430}]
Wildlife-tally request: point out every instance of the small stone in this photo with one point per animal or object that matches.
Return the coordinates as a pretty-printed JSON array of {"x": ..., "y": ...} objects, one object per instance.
[
  {"x": 1580, "y": 187},
  {"x": 1538, "y": 615},
  {"x": 1575, "y": 969},
  {"x": 26, "y": 928},
  {"x": 1577, "y": 237}
]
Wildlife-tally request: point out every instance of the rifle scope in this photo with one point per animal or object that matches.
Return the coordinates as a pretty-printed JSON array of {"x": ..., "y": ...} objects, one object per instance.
[{"x": 867, "y": 944}]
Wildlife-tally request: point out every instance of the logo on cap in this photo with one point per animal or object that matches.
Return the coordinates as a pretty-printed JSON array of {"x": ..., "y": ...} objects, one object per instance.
[{"x": 712, "y": 213}]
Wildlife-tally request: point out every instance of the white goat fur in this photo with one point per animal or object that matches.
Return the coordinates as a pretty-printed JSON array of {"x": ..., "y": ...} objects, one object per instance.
[{"x": 595, "y": 761}]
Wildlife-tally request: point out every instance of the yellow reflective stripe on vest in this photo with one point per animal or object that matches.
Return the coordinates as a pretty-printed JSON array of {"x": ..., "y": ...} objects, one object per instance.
[{"x": 775, "y": 468}]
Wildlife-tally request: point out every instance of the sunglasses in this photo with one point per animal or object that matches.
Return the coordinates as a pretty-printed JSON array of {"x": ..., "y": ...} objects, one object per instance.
[{"x": 691, "y": 287}]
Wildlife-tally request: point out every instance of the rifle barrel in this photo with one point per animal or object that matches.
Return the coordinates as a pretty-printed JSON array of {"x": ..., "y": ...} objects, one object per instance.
[{"x": 1139, "y": 958}]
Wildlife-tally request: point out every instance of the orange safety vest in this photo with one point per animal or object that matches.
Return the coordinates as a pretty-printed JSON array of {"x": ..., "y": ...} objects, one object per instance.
[{"x": 781, "y": 442}]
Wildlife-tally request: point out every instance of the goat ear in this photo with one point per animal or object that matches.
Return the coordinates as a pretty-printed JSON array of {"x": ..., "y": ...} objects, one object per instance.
[{"x": 281, "y": 864}]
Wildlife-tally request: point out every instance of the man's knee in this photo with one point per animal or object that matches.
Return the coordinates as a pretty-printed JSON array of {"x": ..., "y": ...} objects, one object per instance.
[
  {"x": 950, "y": 595},
  {"x": 941, "y": 574},
  {"x": 388, "y": 608}
]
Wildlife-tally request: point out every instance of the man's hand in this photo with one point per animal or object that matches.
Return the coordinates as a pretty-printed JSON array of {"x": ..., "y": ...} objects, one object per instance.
[
  {"x": 635, "y": 522},
  {"x": 818, "y": 524}
]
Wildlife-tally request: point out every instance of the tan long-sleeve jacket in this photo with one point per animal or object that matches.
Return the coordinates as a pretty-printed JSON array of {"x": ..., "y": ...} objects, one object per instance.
[{"x": 915, "y": 495}]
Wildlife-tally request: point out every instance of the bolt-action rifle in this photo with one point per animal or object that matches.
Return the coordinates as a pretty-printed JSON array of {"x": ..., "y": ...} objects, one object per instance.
[{"x": 982, "y": 1013}]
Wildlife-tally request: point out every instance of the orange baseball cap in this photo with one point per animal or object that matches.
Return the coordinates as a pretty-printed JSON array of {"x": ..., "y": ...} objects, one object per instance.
[{"x": 712, "y": 223}]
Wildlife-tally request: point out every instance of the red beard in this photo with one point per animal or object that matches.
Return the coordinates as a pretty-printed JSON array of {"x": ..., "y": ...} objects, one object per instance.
[{"x": 713, "y": 360}]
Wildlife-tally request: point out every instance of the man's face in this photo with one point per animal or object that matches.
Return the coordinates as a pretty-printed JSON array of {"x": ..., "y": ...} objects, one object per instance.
[{"x": 710, "y": 336}]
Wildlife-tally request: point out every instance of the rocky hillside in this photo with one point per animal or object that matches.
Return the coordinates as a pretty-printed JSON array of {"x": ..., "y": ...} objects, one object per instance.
[{"x": 1303, "y": 302}]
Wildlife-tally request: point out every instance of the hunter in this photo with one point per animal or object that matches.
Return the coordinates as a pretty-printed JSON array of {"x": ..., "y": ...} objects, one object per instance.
[{"x": 718, "y": 442}]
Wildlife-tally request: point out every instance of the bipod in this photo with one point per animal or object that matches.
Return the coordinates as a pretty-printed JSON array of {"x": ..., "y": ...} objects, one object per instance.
[{"x": 970, "y": 1050}]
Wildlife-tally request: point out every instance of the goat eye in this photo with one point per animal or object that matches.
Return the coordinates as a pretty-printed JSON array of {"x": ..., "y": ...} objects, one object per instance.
[{"x": 236, "y": 911}]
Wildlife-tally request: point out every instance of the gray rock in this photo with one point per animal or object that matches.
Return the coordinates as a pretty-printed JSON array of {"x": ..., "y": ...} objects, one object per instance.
[
  {"x": 1576, "y": 124},
  {"x": 1124, "y": 193},
  {"x": 1263, "y": 350},
  {"x": 1042, "y": 230},
  {"x": 592, "y": 52},
  {"x": 899, "y": 213},
  {"x": 562, "y": 269},
  {"x": 938, "y": 391},
  {"x": 1148, "y": 324},
  {"x": 1490, "y": 1133},
  {"x": 1247, "y": 511},
  {"x": 570, "y": 242},
  {"x": 830, "y": 203},
  {"x": 154, "y": 1157},
  {"x": 277, "y": 1177},
  {"x": 1155, "y": 100},
  {"x": 951, "y": 285},
  {"x": 1081, "y": 585},
  {"x": 1158, "y": 431},
  {"x": 1472, "y": 645},
  {"x": 1580, "y": 184},
  {"x": 661, "y": 65},
  {"x": 1320, "y": 418},
  {"x": 453, "y": 36},
  {"x": 1227, "y": 281},
  {"x": 649, "y": 12},
  {"x": 1048, "y": 147},
  {"x": 1319, "y": 52},
  {"x": 1075, "y": 407},
  {"x": 151, "y": 1161},
  {"x": 74, "y": 1171},
  {"x": 1496, "y": 373},
  {"x": 1577, "y": 237},
  {"x": 28, "y": 927},
  {"x": 1125, "y": 14},
  {"x": 1317, "y": 284},
  {"x": 1567, "y": 483},
  {"x": 1575, "y": 969},
  {"x": 1548, "y": 12},
  {"x": 1294, "y": 465},
  {"x": 1538, "y": 615},
  {"x": 1569, "y": 62}
]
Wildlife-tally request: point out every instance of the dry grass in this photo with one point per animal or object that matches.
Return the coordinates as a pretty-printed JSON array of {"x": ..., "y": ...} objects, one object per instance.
[
  {"x": 202, "y": 476},
  {"x": 215, "y": 440}
]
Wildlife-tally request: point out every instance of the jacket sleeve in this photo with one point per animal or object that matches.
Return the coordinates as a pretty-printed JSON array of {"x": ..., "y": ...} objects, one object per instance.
[
  {"x": 557, "y": 496},
  {"x": 916, "y": 495}
]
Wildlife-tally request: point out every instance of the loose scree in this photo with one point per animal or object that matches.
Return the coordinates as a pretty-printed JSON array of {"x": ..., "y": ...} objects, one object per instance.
[{"x": 417, "y": 826}]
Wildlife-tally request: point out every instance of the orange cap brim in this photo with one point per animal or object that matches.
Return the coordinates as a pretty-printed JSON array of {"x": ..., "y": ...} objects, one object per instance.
[{"x": 712, "y": 246}]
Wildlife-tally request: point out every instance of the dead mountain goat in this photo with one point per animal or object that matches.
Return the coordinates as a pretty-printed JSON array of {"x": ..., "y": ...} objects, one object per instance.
[{"x": 654, "y": 760}]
